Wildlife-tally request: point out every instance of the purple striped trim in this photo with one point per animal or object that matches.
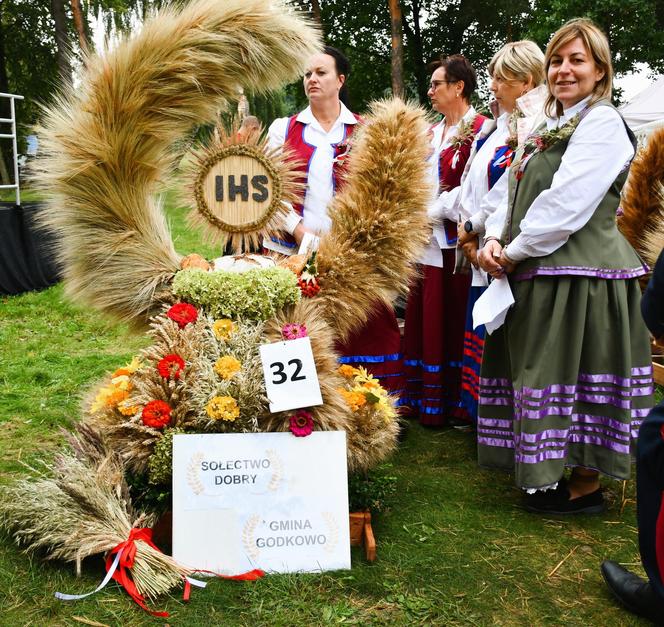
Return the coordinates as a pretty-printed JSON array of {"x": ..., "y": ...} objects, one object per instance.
[
  {"x": 495, "y": 382},
  {"x": 604, "y": 421},
  {"x": 640, "y": 413},
  {"x": 539, "y": 457},
  {"x": 645, "y": 370},
  {"x": 600, "y": 273},
  {"x": 600, "y": 399},
  {"x": 599, "y": 441},
  {"x": 495, "y": 422},
  {"x": 494, "y": 400},
  {"x": 498, "y": 442},
  {"x": 624, "y": 382},
  {"x": 507, "y": 435}
]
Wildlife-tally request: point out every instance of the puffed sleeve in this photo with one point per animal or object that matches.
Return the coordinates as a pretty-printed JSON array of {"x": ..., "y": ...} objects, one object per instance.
[
  {"x": 276, "y": 137},
  {"x": 276, "y": 134}
]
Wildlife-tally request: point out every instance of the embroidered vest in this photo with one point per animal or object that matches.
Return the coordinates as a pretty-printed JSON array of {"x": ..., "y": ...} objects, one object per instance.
[
  {"x": 598, "y": 249},
  {"x": 451, "y": 165},
  {"x": 302, "y": 155}
]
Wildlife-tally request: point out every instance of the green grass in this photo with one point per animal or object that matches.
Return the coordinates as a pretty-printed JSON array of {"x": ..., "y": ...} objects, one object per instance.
[{"x": 454, "y": 548}]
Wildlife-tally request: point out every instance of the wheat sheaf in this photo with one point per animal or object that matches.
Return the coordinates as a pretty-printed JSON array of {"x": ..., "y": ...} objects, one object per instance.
[
  {"x": 248, "y": 536},
  {"x": 193, "y": 480}
]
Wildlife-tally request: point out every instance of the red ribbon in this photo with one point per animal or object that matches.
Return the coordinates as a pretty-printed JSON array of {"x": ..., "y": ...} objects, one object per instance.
[{"x": 123, "y": 577}]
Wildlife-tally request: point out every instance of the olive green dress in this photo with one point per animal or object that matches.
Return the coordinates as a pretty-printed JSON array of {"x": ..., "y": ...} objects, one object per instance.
[{"x": 567, "y": 379}]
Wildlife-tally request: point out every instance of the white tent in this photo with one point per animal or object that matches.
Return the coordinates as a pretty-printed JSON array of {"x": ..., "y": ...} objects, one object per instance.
[{"x": 645, "y": 112}]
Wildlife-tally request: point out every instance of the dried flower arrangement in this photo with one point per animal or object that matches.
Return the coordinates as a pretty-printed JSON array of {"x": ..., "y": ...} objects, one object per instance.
[{"x": 202, "y": 371}]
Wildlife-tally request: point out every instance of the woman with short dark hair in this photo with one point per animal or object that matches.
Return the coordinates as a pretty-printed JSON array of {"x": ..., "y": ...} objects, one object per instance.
[{"x": 435, "y": 313}]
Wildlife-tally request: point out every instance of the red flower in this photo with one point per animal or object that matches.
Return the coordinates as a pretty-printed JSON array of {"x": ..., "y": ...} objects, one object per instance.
[
  {"x": 183, "y": 314},
  {"x": 301, "y": 423},
  {"x": 156, "y": 414},
  {"x": 170, "y": 366},
  {"x": 309, "y": 288}
]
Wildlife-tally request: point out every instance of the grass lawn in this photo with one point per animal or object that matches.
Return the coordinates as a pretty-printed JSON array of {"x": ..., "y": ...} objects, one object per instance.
[{"x": 454, "y": 548}]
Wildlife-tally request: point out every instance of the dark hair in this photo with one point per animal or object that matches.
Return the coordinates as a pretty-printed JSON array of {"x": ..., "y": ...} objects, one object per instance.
[
  {"x": 457, "y": 68},
  {"x": 342, "y": 66}
]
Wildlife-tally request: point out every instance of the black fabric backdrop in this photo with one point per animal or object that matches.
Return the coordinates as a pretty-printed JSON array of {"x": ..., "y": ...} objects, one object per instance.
[{"x": 26, "y": 259}]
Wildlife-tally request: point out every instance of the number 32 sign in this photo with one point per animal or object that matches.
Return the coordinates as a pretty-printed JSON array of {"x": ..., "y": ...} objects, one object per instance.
[{"x": 291, "y": 380}]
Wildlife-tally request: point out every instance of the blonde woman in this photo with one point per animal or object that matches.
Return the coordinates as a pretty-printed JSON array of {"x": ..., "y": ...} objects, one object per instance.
[
  {"x": 567, "y": 379},
  {"x": 517, "y": 76}
]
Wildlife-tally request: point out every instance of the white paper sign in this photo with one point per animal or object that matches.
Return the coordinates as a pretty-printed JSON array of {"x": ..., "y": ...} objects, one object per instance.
[
  {"x": 291, "y": 380},
  {"x": 261, "y": 500},
  {"x": 491, "y": 308}
]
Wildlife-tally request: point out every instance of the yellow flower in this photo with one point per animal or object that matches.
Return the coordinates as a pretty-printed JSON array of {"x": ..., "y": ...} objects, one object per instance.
[
  {"x": 223, "y": 328},
  {"x": 122, "y": 382},
  {"x": 347, "y": 371},
  {"x": 222, "y": 408},
  {"x": 134, "y": 365},
  {"x": 226, "y": 367},
  {"x": 108, "y": 396}
]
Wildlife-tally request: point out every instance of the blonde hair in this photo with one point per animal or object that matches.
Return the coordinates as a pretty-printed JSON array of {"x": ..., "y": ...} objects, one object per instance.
[
  {"x": 596, "y": 44},
  {"x": 519, "y": 60}
]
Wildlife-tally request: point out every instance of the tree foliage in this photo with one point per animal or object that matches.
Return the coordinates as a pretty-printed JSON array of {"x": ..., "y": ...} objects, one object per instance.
[{"x": 361, "y": 28}]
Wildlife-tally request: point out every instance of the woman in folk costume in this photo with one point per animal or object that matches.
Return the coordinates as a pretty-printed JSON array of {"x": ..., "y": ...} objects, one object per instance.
[
  {"x": 318, "y": 137},
  {"x": 517, "y": 74},
  {"x": 567, "y": 379},
  {"x": 436, "y": 308}
]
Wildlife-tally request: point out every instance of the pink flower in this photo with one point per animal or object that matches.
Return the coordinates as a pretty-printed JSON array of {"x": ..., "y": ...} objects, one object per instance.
[
  {"x": 291, "y": 331},
  {"x": 301, "y": 423}
]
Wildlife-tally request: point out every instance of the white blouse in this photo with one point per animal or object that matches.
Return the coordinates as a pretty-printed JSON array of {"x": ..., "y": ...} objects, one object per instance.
[
  {"x": 598, "y": 151},
  {"x": 431, "y": 255},
  {"x": 320, "y": 185}
]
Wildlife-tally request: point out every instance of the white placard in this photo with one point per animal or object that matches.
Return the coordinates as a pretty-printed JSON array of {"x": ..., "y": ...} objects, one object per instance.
[
  {"x": 291, "y": 380},
  {"x": 261, "y": 500}
]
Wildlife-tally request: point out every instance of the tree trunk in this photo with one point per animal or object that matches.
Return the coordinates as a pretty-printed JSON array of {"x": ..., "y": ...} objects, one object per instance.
[
  {"x": 59, "y": 15},
  {"x": 315, "y": 12},
  {"x": 5, "y": 151},
  {"x": 397, "y": 49},
  {"x": 80, "y": 25},
  {"x": 414, "y": 39}
]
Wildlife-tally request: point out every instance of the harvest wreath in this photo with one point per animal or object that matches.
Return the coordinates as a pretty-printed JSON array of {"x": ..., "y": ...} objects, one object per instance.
[{"x": 107, "y": 148}]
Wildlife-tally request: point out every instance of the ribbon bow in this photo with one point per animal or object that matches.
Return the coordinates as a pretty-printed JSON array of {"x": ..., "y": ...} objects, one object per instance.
[
  {"x": 120, "y": 561},
  {"x": 126, "y": 552}
]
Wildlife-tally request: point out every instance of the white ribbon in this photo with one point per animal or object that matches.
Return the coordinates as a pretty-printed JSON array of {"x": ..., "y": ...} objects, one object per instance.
[{"x": 109, "y": 575}]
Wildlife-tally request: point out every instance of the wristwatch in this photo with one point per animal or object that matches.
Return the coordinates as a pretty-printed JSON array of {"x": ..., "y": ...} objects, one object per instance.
[{"x": 468, "y": 226}]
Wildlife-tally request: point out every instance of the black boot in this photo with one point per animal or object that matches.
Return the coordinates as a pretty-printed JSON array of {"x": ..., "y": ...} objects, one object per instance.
[{"x": 633, "y": 592}]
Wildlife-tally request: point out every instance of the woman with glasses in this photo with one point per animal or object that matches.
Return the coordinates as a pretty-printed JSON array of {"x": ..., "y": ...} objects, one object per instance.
[
  {"x": 436, "y": 308},
  {"x": 318, "y": 136},
  {"x": 517, "y": 74}
]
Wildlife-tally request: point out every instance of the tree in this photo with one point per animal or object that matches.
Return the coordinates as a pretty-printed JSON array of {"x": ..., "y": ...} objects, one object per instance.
[
  {"x": 63, "y": 48},
  {"x": 397, "y": 48}
]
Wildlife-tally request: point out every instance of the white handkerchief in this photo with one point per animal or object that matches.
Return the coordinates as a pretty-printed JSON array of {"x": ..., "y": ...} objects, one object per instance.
[{"x": 491, "y": 308}]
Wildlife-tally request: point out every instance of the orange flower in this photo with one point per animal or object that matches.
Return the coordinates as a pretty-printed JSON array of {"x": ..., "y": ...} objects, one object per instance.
[
  {"x": 347, "y": 371},
  {"x": 354, "y": 400}
]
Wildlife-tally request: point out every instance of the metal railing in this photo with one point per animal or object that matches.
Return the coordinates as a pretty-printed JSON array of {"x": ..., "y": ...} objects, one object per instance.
[{"x": 12, "y": 120}]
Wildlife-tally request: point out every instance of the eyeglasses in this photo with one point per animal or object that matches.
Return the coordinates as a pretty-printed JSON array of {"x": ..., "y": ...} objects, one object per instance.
[{"x": 434, "y": 84}]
